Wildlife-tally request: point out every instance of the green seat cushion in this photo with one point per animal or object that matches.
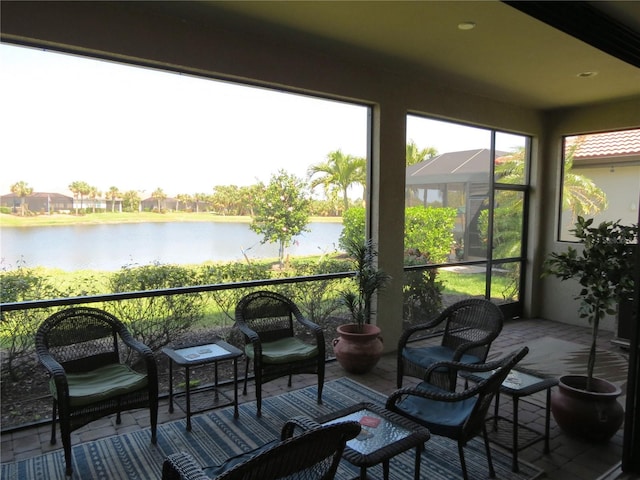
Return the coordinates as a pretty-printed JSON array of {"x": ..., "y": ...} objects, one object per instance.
[
  {"x": 285, "y": 350},
  {"x": 100, "y": 384}
]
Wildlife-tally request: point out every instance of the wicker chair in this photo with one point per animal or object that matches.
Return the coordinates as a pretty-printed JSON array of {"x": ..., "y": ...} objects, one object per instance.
[
  {"x": 79, "y": 347},
  {"x": 456, "y": 415},
  {"x": 470, "y": 326},
  {"x": 267, "y": 321},
  {"x": 311, "y": 455}
]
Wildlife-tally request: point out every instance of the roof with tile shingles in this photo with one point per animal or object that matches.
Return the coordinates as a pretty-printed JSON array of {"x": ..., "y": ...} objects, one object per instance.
[{"x": 610, "y": 144}]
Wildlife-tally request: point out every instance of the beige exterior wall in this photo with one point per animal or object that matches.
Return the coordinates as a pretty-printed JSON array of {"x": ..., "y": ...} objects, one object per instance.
[
  {"x": 621, "y": 185},
  {"x": 555, "y": 299}
]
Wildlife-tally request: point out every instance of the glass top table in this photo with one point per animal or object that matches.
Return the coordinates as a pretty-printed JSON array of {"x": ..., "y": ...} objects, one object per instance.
[
  {"x": 196, "y": 355},
  {"x": 508, "y": 432},
  {"x": 384, "y": 435}
]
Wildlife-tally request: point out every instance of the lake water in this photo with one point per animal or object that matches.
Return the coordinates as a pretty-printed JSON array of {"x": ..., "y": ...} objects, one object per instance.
[{"x": 111, "y": 246}]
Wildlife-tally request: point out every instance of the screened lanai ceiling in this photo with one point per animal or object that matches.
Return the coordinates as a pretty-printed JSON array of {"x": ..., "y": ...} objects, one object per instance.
[{"x": 507, "y": 54}]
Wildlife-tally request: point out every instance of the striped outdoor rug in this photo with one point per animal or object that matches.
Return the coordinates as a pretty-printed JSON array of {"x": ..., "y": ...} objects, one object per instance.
[{"x": 216, "y": 436}]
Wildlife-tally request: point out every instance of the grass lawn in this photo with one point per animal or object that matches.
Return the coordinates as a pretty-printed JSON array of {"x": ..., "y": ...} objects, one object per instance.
[{"x": 124, "y": 217}]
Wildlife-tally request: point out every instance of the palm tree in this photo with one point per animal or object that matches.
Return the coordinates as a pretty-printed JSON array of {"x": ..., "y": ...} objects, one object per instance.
[
  {"x": 22, "y": 190},
  {"x": 79, "y": 190},
  {"x": 94, "y": 193},
  {"x": 184, "y": 198},
  {"x": 113, "y": 194},
  {"x": 580, "y": 195},
  {"x": 131, "y": 201},
  {"x": 159, "y": 195},
  {"x": 415, "y": 155},
  {"x": 339, "y": 171},
  {"x": 200, "y": 198}
]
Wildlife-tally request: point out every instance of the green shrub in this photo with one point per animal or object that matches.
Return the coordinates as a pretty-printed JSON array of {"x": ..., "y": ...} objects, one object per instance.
[
  {"x": 353, "y": 230},
  {"x": 430, "y": 231},
  {"x": 421, "y": 290},
  {"x": 18, "y": 328},
  {"x": 427, "y": 229},
  {"x": 318, "y": 299},
  {"x": 156, "y": 321},
  {"x": 232, "y": 273}
]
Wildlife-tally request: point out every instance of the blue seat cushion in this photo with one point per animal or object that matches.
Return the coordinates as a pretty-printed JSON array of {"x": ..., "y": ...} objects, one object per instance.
[
  {"x": 426, "y": 356},
  {"x": 434, "y": 412}
]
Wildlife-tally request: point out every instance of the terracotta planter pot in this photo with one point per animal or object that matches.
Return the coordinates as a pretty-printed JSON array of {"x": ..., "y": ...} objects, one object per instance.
[
  {"x": 358, "y": 352},
  {"x": 595, "y": 415}
]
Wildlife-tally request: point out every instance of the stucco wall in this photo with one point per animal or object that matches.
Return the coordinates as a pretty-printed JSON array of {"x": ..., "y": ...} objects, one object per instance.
[{"x": 556, "y": 298}]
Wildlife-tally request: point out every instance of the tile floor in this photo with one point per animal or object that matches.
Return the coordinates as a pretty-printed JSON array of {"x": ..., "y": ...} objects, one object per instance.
[{"x": 569, "y": 459}]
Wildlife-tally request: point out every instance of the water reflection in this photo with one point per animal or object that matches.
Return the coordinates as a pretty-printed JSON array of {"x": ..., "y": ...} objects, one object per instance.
[{"x": 110, "y": 246}]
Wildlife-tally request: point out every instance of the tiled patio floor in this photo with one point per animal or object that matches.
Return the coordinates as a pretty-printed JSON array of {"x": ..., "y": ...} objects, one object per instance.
[{"x": 570, "y": 459}]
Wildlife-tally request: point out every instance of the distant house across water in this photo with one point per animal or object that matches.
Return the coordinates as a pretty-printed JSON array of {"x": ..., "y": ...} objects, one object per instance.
[{"x": 39, "y": 202}]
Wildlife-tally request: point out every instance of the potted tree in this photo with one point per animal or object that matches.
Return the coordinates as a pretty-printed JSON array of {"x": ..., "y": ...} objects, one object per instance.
[
  {"x": 604, "y": 270},
  {"x": 359, "y": 346}
]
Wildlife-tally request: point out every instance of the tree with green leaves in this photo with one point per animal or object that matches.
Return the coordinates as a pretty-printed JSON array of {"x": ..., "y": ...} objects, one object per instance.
[
  {"x": 22, "y": 190},
  {"x": 131, "y": 201},
  {"x": 159, "y": 195},
  {"x": 79, "y": 189},
  {"x": 113, "y": 194},
  {"x": 185, "y": 199},
  {"x": 199, "y": 198},
  {"x": 226, "y": 199},
  {"x": 580, "y": 195},
  {"x": 281, "y": 211},
  {"x": 94, "y": 193},
  {"x": 340, "y": 172},
  {"x": 416, "y": 155}
]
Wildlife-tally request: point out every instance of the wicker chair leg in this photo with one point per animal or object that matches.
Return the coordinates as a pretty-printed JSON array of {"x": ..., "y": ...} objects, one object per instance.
[
  {"x": 65, "y": 433},
  {"x": 246, "y": 376},
  {"x": 289, "y": 384},
  {"x": 492, "y": 472},
  {"x": 463, "y": 462},
  {"x": 259, "y": 393},
  {"x": 153, "y": 413},
  {"x": 320, "y": 382},
  {"x": 53, "y": 422}
]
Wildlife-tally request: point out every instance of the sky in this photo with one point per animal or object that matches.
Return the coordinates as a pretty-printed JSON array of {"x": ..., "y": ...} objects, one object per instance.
[{"x": 66, "y": 118}]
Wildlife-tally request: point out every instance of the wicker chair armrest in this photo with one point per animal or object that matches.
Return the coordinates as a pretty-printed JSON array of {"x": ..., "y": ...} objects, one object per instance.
[
  {"x": 316, "y": 330},
  {"x": 56, "y": 372},
  {"x": 461, "y": 349},
  {"x": 482, "y": 367},
  {"x": 303, "y": 422},
  {"x": 440, "y": 396},
  {"x": 144, "y": 351},
  {"x": 458, "y": 367},
  {"x": 135, "y": 344},
  {"x": 410, "y": 331},
  {"x": 182, "y": 466},
  {"x": 251, "y": 334},
  {"x": 308, "y": 323}
]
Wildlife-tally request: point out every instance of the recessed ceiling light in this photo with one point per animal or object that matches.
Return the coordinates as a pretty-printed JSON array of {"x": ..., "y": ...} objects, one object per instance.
[
  {"x": 587, "y": 74},
  {"x": 467, "y": 25}
]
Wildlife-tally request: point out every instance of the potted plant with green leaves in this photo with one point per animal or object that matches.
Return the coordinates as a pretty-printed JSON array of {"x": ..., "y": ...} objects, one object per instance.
[
  {"x": 359, "y": 346},
  {"x": 605, "y": 271}
]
